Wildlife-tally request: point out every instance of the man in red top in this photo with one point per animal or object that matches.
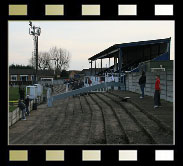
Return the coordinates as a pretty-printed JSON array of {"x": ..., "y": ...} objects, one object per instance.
[
  {"x": 157, "y": 92},
  {"x": 89, "y": 81}
]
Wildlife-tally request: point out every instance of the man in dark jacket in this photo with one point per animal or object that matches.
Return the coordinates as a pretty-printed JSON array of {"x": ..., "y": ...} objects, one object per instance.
[
  {"x": 21, "y": 105},
  {"x": 142, "y": 82},
  {"x": 27, "y": 100}
]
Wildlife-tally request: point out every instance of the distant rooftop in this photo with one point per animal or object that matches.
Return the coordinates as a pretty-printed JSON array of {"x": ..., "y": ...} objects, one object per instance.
[{"x": 30, "y": 72}]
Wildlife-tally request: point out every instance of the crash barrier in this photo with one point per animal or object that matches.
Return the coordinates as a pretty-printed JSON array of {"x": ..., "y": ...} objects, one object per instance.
[
  {"x": 88, "y": 89},
  {"x": 13, "y": 103},
  {"x": 16, "y": 114}
]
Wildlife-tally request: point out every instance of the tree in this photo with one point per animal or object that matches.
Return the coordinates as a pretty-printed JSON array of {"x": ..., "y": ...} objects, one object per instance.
[
  {"x": 57, "y": 56},
  {"x": 12, "y": 66},
  {"x": 43, "y": 61},
  {"x": 61, "y": 58}
]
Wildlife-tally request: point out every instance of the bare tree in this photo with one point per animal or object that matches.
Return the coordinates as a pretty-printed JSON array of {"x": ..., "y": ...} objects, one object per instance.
[
  {"x": 43, "y": 61},
  {"x": 61, "y": 58}
]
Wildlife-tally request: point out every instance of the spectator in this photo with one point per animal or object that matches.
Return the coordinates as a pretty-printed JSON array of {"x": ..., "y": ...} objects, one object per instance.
[
  {"x": 22, "y": 93},
  {"x": 112, "y": 78},
  {"x": 21, "y": 105},
  {"x": 89, "y": 81},
  {"x": 52, "y": 88},
  {"x": 27, "y": 100},
  {"x": 142, "y": 82},
  {"x": 157, "y": 92}
]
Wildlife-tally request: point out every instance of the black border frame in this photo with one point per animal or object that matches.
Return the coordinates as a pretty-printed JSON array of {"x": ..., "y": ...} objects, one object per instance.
[{"x": 73, "y": 153}]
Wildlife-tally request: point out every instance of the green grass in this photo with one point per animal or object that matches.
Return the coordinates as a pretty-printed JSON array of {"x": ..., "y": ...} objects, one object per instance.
[
  {"x": 13, "y": 96},
  {"x": 44, "y": 92},
  {"x": 13, "y": 93},
  {"x": 12, "y": 108}
]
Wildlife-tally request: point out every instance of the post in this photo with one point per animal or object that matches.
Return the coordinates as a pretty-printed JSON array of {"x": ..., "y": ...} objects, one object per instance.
[
  {"x": 36, "y": 59},
  {"x": 95, "y": 67},
  {"x": 101, "y": 64},
  {"x": 120, "y": 63},
  {"x": 49, "y": 98},
  {"x": 115, "y": 64},
  {"x": 169, "y": 49},
  {"x": 91, "y": 68},
  {"x": 95, "y": 70},
  {"x": 67, "y": 87},
  {"x": 35, "y": 32}
]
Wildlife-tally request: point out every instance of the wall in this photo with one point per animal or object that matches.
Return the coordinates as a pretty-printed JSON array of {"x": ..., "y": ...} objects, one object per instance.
[
  {"x": 16, "y": 115},
  {"x": 166, "y": 83}
]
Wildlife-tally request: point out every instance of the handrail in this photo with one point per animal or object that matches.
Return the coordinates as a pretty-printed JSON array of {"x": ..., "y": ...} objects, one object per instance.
[{"x": 85, "y": 89}]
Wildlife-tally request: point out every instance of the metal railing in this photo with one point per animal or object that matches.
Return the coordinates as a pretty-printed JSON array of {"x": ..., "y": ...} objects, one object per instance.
[{"x": 87, "y": 89}]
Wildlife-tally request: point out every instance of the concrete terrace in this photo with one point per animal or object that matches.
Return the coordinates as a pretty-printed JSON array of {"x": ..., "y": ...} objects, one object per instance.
[{"x": 97, "y": 118}]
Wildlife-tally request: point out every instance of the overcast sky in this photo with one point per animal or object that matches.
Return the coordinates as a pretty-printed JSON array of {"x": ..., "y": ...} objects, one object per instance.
[{"x": 83, "y": 39}]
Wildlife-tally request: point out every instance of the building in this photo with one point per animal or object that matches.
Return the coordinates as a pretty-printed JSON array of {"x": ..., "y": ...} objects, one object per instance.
[
  {"x": 73, "y": 73},
  {"x": 91, "y": 71},
  {"x": 26, "y": 76},
  {"x": 132, "y": 57},
  {"x": 127, "y": 56}
]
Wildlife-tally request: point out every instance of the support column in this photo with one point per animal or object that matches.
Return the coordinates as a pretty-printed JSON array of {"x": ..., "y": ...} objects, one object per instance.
[
  {"x": 101, "y": 64},
  {"x": 91, "y": 69},
  {"x": 36, "y": 59},
  {"x": 95, "y": 70},
  {"x": 95, "y": 67},
  {"x": 169, "y": 50},
  {"x": 120, "y": 63},
  {"x": 115, "y": 64}
]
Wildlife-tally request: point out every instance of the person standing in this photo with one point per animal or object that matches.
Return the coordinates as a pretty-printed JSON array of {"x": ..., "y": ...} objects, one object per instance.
[
  {"x": 89, "y": 81},
  {"x": 112, "y": 78},
  {"x": 157, "y": 102},
  {"x": 142, "y": 82},
  {"x": 52, "y": 89},
  {"x": 27, "y": 100},
  {"x": 21, "y": 105}
]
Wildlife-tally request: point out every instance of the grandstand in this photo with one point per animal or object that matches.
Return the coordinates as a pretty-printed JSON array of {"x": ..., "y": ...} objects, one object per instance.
[{"x": 117, "y": 116}]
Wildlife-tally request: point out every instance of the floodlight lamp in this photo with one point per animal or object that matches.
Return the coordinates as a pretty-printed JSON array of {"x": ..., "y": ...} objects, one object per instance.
[
  {"x": 31, "y": 32},
  {"x": 30, "y": 23},
  {"x": 37, "y": 31}
]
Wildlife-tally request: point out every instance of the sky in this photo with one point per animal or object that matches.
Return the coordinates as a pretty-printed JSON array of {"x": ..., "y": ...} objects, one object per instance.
[{"x": 83, "y": 39}]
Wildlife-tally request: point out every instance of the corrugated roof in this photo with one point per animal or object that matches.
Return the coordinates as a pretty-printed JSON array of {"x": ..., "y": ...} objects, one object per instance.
[{"x": 115, "y": 48}]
